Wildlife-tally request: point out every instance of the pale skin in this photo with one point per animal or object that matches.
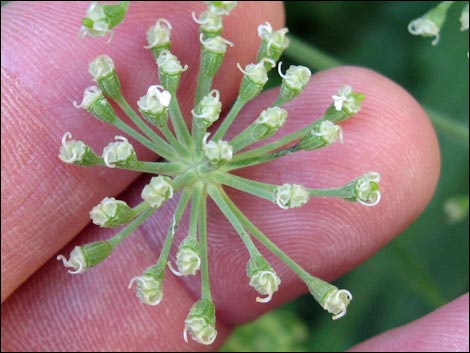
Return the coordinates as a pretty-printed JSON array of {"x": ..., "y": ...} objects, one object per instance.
[{"x": 45, "y": 203}]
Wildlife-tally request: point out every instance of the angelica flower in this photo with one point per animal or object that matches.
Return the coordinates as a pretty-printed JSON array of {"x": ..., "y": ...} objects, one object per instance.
[
  {"x": 200, "y": 323},
  {"x": 101, "y": 19},
  {"x": 75, "y": 152},
  {"x": 273, "y": 43},
  {"x": 216, "y": 152},
  {"x": 220, "y": 7},
  {"x": 210, "y": 24},
  {"x": 119, "y": 153},
  {"x": 86, "y": 256},
  {"x": 154, "y": 105},
  {"x": 336, "y": 302},
  {"x": 188, "y": 260},
  {"x": 262, "y": 278},
  {"x": 367, "y": 189},
  {"x": 322, "y": 135},
  {"x": 111, "y": 213},
  {"x": 291, "y": 196},
  {"x": 158, "y": 36},
  {"x": 208, "y": 110},
  {"x": 346, "y": 101},
  {"x": 255, "y": 77},
  {"x": 149, "y": 286},
  {"x": 158, "y": 191},
  {"x": 429, "y": 25},
  {"x": 269, "y": 122}
]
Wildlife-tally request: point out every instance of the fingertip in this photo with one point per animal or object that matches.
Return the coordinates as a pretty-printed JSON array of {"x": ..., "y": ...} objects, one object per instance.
[{"x": 444, "y": 330}]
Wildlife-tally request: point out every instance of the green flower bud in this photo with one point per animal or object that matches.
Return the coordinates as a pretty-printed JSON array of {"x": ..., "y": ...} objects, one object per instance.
[
  {"x": 345, "y": 104},
  {"x": 154, "y": 105},
  {"x": 262, "y": 277},
  {"x": 158, "y": 191},
  {"x": 220, "y": 8},
  {"x": 101, "y": 19},
  {"x": 213, "y": 52},
  {"x": 76, "y": 152},
  {"x": 169, "y": 70},
  {"x": 95, "y": 103},
  {"x": 103, "y": 73},
  {"x": 86, "y": 256},
  {"x": 216, "y": 153},
  {"x": 347, "y": 101},
  {"x": 429, "y": 25},
  {"x": 291, "y": 196},
  {"x": 269, "y": 122},
  {"x": 149, "y": 288},
  {"x": 210, "y": 24},
  {"x": 208, "y": 110},
  {"x": 366, "y": 189},
  {"x": 254, "y": 79},
  {"x": 294, "y": 81},
  {"x": 119, "y": 153},
  {"x": 320, "y": 136},
  {"x": 273, "y": 43},
  {"x": 188, "y": 260},
  {"x": 158, "y": 37},
  {"x": 332, "y": 299},
  {"x": 111, "y": 213},
  {"x": 200, "y": 323},
  {"x": 336, "y": 302}
]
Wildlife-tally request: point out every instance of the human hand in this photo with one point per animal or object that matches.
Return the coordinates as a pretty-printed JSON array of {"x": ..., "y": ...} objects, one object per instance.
[{"x": 45, "y": 203}]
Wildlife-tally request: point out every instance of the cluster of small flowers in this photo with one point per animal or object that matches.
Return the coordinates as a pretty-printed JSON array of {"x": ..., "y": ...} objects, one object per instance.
[{"x": 199, "y": 167}]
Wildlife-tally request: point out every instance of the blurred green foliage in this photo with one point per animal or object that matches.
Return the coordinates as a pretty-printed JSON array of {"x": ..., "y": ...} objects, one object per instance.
[{"x": 427, "y": 265}]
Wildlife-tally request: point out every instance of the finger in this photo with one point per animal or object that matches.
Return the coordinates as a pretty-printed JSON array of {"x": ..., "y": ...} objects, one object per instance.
[
  {"x": 326, "y": 237},
  {"x": 444, "y": 330},
  {"x": 44, "y": 68}
]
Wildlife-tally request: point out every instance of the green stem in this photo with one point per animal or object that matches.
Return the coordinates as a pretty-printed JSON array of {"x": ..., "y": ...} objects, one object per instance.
[
  {"x": 449, "y": 127},
  {"x": 115, "y": 240},
  {"x": 199, "y": 133},
  {"x": 263, "y": 239},
  {"x": 125, "y": 106},
  {"x": 204, "y": 84},
  {"x": 243, "y": 139},
  {"x": 161, "y": 150},
  {"x": 182, "y": 203},
  {"x": 237, "y": 106},
  {"x": 182, "y": 132},
  {"x": 309, "y": 55},
  {"x": 262, "y": 190},
  {"x": 205, "y": 283},
  {"x": 174, "y": 141},
  {"x": 218, "y": 195},
  {"x": 141, "y": 207},
  {"x": 342, "y": 192},
  {"x": 163, "y": 168},
  {"x": 256, "y": 152},
  {"x": 195, "y": 209}
]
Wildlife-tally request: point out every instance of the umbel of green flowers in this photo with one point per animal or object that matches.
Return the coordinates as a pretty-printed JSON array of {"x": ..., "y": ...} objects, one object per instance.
[{"x": 198, "y": 164}]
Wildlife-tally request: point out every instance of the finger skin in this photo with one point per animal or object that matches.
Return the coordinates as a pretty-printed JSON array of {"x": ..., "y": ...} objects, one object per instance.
[
  {"x": 45, "y": 203},
  {"x": 444, "y": 330},
  {"x": 327, "y": 237}
]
